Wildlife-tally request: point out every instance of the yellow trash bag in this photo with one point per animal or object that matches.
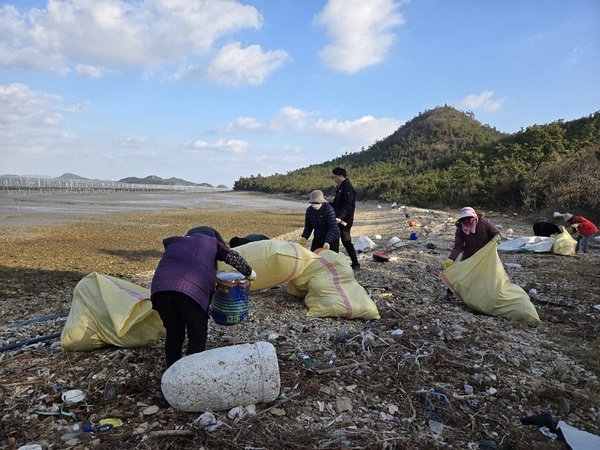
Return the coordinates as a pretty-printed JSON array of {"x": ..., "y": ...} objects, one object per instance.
[
  {"x": 482, "y": 284},
  {"x": 275, "y": 262},
  {"x": 329, "y": 289},
  {"x": 564, "y": 244},
  {"x": 110, "y": 311}
]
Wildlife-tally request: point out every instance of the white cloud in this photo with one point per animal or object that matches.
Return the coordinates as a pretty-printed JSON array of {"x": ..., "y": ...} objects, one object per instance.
[
  {"x": 364, "y": 130},
  {"x": 483, "y": 102},
  {"x": 242, "y": 123},
  {"x": 360, "y": 32},
  {"x": 234, "y": 65},
  {"x": 20, "y": 106},
  {"x": 85, "y": 70},
  {"x": 97, "y": 37},
  {"x": 234, "y": 146},
  {"x": 131, "y": 142}
]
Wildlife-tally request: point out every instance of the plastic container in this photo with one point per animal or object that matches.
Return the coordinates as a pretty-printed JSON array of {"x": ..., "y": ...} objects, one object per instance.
[
  {"x": 229, "y": 304},
  {"x": 413, "y": 236},
  {"x": 222, "y": 378}
]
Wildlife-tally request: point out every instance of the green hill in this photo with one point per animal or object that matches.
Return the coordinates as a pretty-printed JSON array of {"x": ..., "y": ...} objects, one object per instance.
[{"x": 445, "y": 157}]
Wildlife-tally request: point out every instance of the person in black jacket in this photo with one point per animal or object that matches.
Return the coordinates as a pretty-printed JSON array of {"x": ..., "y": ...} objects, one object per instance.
[
  {"x": 236, "y": 241},
  {"x": 320, "y": 219},
  {"x": 344, "y": 204}
]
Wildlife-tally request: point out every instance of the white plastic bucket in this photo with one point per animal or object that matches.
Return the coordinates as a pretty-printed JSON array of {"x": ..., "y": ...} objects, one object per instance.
[{"x": 222, "y": 378}]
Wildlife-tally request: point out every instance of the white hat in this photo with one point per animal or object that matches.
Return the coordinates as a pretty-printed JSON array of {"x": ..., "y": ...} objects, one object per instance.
[
  {"x": 467, "y": 211},
  {"x": 567, "y": 217},
  {"x": 317, "y": 197}
]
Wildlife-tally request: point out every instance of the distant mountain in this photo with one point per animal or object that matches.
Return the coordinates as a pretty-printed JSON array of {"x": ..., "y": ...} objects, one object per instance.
[
  {"x": 71, "y": 176},
  {"x": 153, "y": 179}
]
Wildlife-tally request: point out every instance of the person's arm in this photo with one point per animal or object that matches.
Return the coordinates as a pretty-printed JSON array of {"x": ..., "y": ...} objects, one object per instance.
[
  {"x": 308, "y": 228},
  {"x": 492, "y": 230},
  {"x": 333, "y": 231},
  {"x": 234, "y": 259},
  {"x": 458, "y": 245},
  {"x": 347, "y": 197}
]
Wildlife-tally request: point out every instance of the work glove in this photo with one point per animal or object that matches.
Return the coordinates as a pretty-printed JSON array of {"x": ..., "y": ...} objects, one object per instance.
[
  {"x": 326, "y": 246},
  {"x": 302, "y": 240},
  {"x": 448, "y": 263},
  {"x": 338, "y": 220},
  {"x": 252, "y": 276}
]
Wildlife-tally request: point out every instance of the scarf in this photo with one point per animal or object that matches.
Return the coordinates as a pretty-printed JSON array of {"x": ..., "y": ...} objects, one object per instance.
[{"x": 469, "y": 228}]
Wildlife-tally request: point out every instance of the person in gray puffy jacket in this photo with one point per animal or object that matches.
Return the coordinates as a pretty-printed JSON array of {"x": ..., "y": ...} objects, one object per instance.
[{"x": 183, "y": 286}]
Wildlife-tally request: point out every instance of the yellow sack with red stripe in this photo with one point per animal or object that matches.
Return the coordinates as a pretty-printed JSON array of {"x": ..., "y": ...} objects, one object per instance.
[
  {"x": 483, "y": 285},
  {"x": 275, "y": 262},
  {"x": 329, "y": 289}
]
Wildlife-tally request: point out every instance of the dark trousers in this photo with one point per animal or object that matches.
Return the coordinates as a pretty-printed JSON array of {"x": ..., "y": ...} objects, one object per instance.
[
  {"x": 319, "y": 240},
  {"x": 180, "y": 313},
  {"x": 347, "y": 243}
]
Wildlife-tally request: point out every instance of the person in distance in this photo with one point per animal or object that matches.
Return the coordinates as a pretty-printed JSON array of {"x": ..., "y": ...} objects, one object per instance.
[
  {"x": 320, "y": 220},
  {"x": 344, "y": 204}
]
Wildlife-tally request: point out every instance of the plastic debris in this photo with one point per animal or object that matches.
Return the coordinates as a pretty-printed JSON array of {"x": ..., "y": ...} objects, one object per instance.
[
  {"x": 72, "y": 396},
  {"x": 111, "y": 421},
  {"x": 207, "y": 421}
]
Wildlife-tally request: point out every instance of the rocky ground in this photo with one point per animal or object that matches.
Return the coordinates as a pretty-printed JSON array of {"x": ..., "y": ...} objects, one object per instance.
[{"x": 430, "y": 374}]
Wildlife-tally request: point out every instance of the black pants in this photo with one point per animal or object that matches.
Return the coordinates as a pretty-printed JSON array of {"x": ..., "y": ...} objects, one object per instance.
[
  {"x": 180, "y": 313},
  {"x": 347, "y": 243},
  {"x": 319, "y": 240}
]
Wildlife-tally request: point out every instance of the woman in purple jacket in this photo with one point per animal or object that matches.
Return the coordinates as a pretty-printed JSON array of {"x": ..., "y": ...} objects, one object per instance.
[{"x": 183, "y": 285}]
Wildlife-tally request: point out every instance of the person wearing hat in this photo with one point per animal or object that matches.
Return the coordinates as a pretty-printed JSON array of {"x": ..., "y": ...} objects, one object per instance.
[
  {"x": 344, "y": 204},
  {"x": 320, "y": 220},
  {"x": 473, "y": 232},
  {"x": 584, "y": 228},
  {"x": 183, "y": 285}
]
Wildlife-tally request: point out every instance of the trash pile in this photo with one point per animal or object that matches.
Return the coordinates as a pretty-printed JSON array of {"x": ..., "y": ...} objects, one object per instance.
[{"x": 430, "y": 373}]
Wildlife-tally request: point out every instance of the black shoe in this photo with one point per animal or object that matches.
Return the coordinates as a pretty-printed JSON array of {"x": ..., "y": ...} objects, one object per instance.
[{"x": 355, "y": 266}]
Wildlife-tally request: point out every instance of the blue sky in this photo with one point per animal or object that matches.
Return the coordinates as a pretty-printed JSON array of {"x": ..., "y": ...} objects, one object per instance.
[{"x": 214, "y": 90}]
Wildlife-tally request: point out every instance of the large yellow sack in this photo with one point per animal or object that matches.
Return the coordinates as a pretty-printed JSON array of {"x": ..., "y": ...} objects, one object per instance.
[
  {"x": 329, "y": 289},
  {"x": 482, "y": 284},
  {"x": 275, "y": 262},
  {"x": 564, "y": 244},
  {"x": 109, "y": 311}
]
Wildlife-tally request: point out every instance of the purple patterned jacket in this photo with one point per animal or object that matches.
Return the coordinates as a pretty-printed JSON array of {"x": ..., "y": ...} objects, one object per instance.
[{"x": 189, "y": 265}]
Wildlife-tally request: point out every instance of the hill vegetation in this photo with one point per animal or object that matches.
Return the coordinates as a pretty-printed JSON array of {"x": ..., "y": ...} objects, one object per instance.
[{"x": 445, "y": 157}]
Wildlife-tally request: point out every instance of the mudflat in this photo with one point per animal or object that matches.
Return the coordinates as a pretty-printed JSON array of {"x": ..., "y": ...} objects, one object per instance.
[{"x": 26, "y": 208}]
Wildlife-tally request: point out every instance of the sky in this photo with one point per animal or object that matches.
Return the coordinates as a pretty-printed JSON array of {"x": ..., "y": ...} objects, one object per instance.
[{"x": 213, "y": 90}]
